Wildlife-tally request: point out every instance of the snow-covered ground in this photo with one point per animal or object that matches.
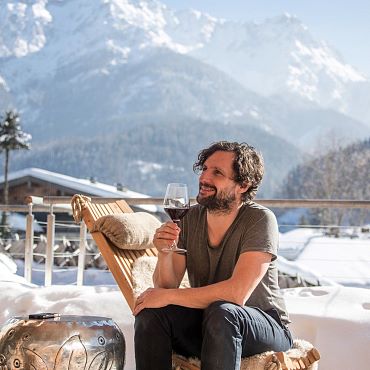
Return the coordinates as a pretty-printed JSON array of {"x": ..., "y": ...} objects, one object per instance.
[
  {"x": 344, "y": 260},
  {"x": 335, "y": 318}
]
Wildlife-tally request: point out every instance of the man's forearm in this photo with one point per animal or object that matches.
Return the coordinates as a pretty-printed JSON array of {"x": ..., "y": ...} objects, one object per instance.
[
  {"x": 164, "y": 275},
  {"x": 202, "y": 297}
]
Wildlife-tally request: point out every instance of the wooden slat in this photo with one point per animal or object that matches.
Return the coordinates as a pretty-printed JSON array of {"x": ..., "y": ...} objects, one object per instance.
[
  {"x": 94, "y": 211},
  {"x": 151, "y": 252},
  {"x": 98, "y": 210},
  {"x": 116, "y": 210},
  {"x": 125, "y": 265},
  {"x": 107, "y": 209},
  {"x": 110, "y": 206},
  {"x": 102, "y": 209},
  {"x": 89, "y": 218},
  {"x": 120, "y": 275},
  {"x": 132, "y": 255},
  {"x": 125, "y": 208}
]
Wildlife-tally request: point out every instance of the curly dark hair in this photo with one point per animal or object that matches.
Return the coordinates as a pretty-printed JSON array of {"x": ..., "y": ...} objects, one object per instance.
[{"x": 248, "y": 164}]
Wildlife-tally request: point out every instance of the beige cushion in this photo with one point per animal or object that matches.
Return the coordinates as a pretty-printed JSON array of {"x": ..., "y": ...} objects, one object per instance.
[{"x": 129, "y": 230}]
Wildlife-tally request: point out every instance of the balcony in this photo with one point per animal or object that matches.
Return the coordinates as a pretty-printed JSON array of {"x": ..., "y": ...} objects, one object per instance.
[{"x": 332, "y": 310}]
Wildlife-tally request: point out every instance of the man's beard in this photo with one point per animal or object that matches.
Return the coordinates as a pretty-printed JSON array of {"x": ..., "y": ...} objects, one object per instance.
[{"x": 220, "y": 202}]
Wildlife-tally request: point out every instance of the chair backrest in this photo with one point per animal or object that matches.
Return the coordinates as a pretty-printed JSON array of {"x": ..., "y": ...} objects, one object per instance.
[{"x": 119, "y": 261}]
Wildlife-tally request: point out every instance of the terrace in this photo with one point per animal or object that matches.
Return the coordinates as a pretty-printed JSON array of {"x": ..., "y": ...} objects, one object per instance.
[{"x": 335, "y": 258}]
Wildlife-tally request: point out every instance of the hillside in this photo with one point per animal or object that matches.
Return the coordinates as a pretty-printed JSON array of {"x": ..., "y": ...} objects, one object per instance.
[
  {"x": 335, "y": 172},
  {"x": 148, "y": 156}
]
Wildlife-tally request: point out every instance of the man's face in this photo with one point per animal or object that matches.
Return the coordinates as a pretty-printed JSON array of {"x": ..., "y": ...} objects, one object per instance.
[{"x": 218, "y": 192}]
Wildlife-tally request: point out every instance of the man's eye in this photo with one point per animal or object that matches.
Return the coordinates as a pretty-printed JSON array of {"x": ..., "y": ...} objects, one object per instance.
[{"x": 217, "y": 173}]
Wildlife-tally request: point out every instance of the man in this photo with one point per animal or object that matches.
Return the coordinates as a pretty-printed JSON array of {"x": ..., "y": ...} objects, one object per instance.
[{"x": 233, "y": 308}]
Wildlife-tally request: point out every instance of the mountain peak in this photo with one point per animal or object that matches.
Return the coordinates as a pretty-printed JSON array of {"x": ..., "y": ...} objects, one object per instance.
[
  {"x": 287, "y": 18},
  {"x": 87, "y": 39},
  {"x": 22, "y": 27}
]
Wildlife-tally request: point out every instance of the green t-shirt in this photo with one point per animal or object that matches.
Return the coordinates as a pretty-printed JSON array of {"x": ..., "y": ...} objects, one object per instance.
[{"x": 254, "y": 229}]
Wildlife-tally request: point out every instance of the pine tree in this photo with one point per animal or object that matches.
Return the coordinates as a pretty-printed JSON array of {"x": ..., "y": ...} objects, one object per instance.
[
  {"x": 339, "y": 173},
  {"x": 11, "y": 138}
]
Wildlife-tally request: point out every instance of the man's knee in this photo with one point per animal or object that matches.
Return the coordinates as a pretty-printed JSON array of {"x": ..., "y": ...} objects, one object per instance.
[
  {"x": 219, "y": 314},
  {"x": 157, "y": 320},
  {"x": 146, "y": 321},
  {"x": 220, "y": 308}
]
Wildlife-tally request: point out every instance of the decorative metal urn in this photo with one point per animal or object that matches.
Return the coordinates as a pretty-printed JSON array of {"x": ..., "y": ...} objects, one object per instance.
[{"x": 54, "y": 342}]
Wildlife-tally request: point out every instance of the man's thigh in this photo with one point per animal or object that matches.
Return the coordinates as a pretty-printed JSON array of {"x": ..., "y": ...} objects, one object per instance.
[
  {"x": 183, "y": 325},
  {"x": 258, "y": 331}
]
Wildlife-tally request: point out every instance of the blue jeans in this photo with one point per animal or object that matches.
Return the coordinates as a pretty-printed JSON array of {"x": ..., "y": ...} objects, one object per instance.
[{"x": 219, "y": 335}]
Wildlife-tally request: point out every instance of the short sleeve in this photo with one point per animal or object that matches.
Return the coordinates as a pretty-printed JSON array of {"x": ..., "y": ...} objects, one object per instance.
[{"x": 262, "y": 235}]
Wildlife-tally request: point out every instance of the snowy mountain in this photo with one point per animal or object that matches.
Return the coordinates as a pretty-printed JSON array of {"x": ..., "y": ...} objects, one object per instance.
[
  {"x": 64, "y": 51},
  {"x": 164, "y": 83},
  {"x": 279, "y": 56},
  {"x": 77, "y": 68}
]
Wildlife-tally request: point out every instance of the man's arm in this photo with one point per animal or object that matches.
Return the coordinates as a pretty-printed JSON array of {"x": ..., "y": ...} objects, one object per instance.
[
  {"x": 169, "y": 271},
  {"x": 248, "y": 272},
  {"x": 170, "y": 268}
]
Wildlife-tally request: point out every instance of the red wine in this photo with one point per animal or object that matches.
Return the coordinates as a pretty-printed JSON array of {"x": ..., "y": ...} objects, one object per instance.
[{"x": 176, "y": 214}]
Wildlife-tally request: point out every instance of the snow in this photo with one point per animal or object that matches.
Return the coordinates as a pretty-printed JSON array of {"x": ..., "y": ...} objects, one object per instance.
[
  {"x": 39, "y": 11},
  {"x": 335, "y": 318},
  {"x": 321, "y": 56},
  {"x": 147, "y": 167},
  {"x": 306, "y": 68},
  {"x": 299, "y": 269},
  {"x": 7, "y": 265},
  {"x": 344, "y": 260},
  {"x": 3, "y": 84},
  {"x": 28, "y": 36},
  {"x": 18, "y": 222},
  {"x": 124, "y": 52}
]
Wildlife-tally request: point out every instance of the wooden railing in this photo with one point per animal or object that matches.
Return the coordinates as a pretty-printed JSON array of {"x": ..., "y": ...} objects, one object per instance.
[{"x": 53, "y": 205}]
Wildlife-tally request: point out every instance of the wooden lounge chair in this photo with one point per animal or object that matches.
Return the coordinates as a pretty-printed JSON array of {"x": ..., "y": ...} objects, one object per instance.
[{"x": 121, "y": 261}]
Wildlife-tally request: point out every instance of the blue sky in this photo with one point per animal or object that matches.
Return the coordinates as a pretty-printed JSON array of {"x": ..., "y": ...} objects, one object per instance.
[{"x": 344, "y": 24}]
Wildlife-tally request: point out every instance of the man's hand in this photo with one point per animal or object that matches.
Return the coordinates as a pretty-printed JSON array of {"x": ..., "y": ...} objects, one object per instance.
[
  {"x": 151, "y": 298},
  {"x": 166, "y": 235}
]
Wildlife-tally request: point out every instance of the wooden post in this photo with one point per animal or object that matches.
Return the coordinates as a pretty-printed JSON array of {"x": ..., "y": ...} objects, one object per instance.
[
  {"x": 50, "y": 247},
  {"x": 28, "y": 252},
  {"x": 81, "y": 255}
]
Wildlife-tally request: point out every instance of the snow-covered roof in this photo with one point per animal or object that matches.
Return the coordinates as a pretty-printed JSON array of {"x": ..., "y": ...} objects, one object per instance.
[{"x": 84, "y": 186}]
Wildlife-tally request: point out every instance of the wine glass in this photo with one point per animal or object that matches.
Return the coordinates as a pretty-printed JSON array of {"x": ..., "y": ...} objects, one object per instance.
[{"x": 176, "y": 205}]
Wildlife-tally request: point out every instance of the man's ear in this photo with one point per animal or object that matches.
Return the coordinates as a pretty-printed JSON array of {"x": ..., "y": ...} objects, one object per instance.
[{"x": 245, "y": 186}]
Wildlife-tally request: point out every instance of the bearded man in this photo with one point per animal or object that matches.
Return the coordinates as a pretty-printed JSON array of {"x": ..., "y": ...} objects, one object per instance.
[{"x": 233, "y": 308}]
